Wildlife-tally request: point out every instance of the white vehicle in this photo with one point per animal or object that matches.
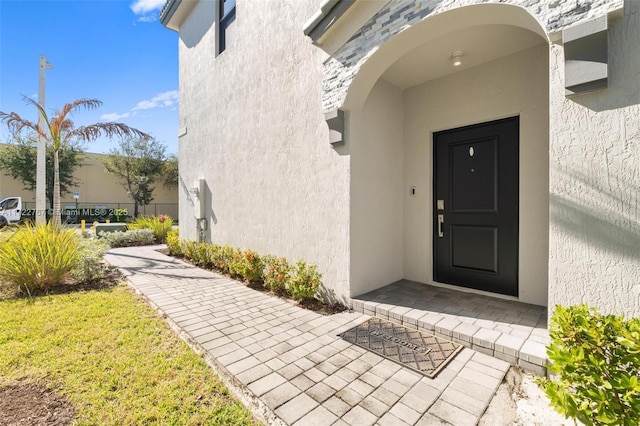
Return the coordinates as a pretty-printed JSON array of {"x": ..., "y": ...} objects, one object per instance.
[{"x": 10, "y": 211}]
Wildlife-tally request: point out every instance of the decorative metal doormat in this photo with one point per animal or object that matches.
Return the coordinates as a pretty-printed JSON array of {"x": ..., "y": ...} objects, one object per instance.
[{"x": 421, "y": 352}]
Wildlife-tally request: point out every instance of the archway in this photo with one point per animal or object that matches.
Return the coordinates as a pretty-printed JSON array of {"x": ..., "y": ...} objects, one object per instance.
[{"x": 409, "y": 89}]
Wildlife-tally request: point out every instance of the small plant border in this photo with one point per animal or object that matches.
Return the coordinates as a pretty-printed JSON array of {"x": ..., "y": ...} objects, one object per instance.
[{"x": 299, "y": 282}]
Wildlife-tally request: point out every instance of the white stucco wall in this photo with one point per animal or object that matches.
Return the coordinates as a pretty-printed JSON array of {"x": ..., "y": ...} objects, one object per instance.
[
  {"x": 376, "y": 150},
  {"x": 595, "y": 180},
  {"x": 513, "y": 85},
  {"x": 255, "y": 131}
]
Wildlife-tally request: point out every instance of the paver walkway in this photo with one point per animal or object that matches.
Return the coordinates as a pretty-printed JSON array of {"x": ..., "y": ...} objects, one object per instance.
[
  {"x": 509, "y": 330},
  {"x": 289, "y": 366}
]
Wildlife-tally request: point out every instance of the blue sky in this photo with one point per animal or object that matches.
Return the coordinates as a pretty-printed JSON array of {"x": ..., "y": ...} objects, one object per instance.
[{"x": 112, "y": 50}]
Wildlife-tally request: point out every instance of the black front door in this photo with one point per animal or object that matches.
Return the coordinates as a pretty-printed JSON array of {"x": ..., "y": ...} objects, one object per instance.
[{"x": 476, "y": 206}]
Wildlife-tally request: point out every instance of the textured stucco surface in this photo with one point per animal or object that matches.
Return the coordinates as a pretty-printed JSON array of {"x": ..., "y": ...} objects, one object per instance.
[
  {"x": 595, "y": 180},
  {"x": 376, "y": 151},
  {"x": 514, "y": 85},
  {"x": 255, "y": 131}
]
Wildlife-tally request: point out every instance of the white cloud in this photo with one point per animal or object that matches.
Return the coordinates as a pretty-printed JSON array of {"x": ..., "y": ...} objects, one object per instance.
[
  {"x": 113, "y": 116},
  {"x": 160, "y": 100},
  {"x": 140, "y": 7}
]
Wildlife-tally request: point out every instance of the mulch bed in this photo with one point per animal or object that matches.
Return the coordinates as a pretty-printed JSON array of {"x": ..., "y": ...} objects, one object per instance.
[
  {"x": 112, "y": 277},
  {"x": 310, "y": 304},
  {"x": 26, "y": 403}
]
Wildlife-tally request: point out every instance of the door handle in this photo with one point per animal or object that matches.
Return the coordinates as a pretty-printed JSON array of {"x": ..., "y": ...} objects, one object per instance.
[{"x": 440, "y": 222}]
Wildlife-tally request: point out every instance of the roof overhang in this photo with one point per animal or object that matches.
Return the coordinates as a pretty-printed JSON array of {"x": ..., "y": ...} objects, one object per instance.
[
  {"x": 174, "y": 13},
  {"x": 337, "y": 20},
  {"x": 330, "y": 11}
]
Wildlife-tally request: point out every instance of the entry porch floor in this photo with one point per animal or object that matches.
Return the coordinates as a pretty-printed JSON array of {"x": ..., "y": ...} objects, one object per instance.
[
  {"x": 291, "y": 367},
  {"x": 508, "y": 330}
]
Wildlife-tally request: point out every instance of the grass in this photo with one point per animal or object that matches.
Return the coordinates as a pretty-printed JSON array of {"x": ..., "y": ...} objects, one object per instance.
[{"x": 113, "y": 358}]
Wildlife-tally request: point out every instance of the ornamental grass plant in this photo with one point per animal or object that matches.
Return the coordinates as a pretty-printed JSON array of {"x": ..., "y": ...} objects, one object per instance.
[
  {"x": 160, "y": 225},
  {"x": 36, "y": 257}
]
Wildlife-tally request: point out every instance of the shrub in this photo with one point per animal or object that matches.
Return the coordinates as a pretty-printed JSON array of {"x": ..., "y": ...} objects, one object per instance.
[
  {"x": 215, "y": 256},
  {"x": 597, "y": 361},
  {"x": 160, "y": 225},
  {"x": 90, "y": 266},
  {"x": 222, "y": 256},
  {"x": 300, "y": 282},
  {"x": 38, "y": 257},
  {"x": 188, "y": 248},
  {"x": 247, "y": 265},
  {"x": 173, "y": 243},
  {"x": 201, "y": 254},
  {"x": 305, "y": 281},
  {"x": 136, "y": 237},
  {"x": 277, "y": 274}
]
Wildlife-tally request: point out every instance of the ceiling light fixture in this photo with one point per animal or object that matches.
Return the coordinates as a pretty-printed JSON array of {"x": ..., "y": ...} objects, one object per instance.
[{"x": 456, "y": 58}]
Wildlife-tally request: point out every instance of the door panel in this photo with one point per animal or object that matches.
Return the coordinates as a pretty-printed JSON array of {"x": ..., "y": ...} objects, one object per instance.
[
  {"x": 473, "y": 187},
  {"x": 476, "y": 206},
  {"x": 474, "y": 247}
]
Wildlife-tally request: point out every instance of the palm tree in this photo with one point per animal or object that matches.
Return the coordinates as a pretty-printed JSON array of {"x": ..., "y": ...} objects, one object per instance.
[{"x": 59, "y": 131}]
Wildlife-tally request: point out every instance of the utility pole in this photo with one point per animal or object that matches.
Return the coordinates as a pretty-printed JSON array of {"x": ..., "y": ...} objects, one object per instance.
[{"x": 41, "y": 159}]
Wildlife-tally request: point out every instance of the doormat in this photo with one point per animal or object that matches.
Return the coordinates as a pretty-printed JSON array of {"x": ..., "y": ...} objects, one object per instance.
[{"x": 421, "y": 352}]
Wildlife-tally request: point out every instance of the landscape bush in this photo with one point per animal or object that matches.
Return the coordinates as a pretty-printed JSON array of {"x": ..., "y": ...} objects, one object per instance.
[
  {"x": 596, "y": 360},
  {"x": 131, "y": 238},
  {"x": 305, "y": 281},
  {"x": 300, "y": 282},
  {"x": 173, "y": 243},
  {"x": 188, "y": 248},
  {"x": 160, "y": 225},
  {"x": 277, "y": 274},
  {"x": 212, "y": 255},
  {"x": 38, "y": 257},
  {"x": 222, "y": 257},
  {"x": 247, "y": 265},
  {"x": 201, "y": 254},
  {"x": 90, "y": 266}
]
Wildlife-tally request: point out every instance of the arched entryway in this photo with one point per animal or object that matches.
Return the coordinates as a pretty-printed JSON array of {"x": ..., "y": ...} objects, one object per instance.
[{"x": 410, "y": 91}]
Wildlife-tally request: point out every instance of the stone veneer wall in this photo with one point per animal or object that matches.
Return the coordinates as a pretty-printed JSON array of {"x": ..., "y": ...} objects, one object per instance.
[{"x": 341, "y": 69}]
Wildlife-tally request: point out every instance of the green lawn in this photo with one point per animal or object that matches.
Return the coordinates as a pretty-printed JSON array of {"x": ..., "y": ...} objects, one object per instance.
[{"x": 114, "y": 359}]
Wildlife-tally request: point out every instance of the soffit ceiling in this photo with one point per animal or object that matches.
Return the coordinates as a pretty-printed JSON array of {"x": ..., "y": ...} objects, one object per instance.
[{"x": 480, "y": 44}]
